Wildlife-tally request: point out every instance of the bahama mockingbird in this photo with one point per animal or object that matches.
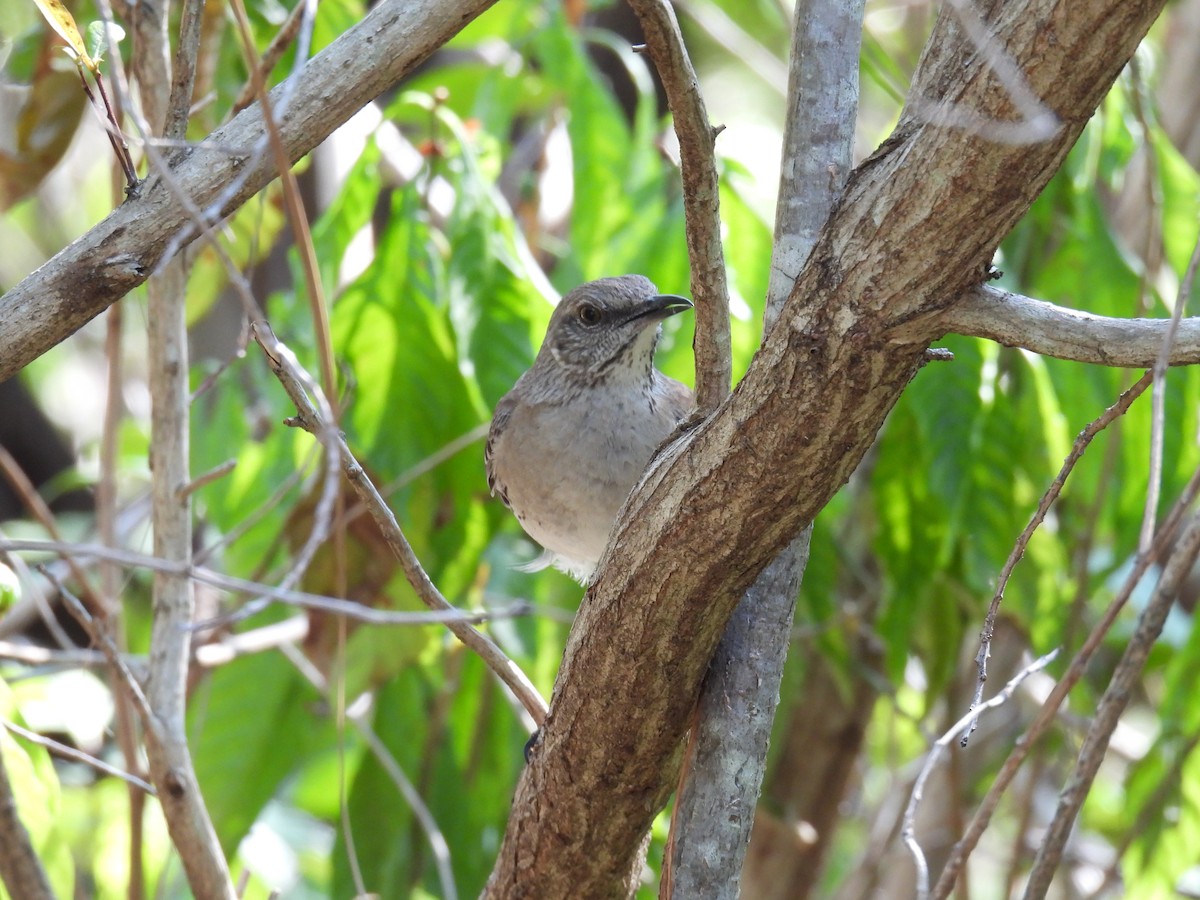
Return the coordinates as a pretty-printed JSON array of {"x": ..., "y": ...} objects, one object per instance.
[{"x": 571, "y": 439}]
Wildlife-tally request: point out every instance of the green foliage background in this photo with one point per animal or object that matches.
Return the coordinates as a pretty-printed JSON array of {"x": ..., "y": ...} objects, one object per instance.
[{"x": 446, "y": 313}]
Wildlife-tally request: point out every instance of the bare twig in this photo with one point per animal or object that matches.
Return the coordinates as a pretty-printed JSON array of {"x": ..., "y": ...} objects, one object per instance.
[
  {"x": 41, "y": 513},
  {"x": 12, "y": 620},
  {"x": 966, "y": 722},
  {"x": 285, "y": 367},
  {"x": 1046, "y": 715},
  {"x": 1082, "y": 440},
  {"x": 119, "y": 253},
  {"x": 297, "y": 216},
  {"x": 60, "y": 749},
  {"x": 33, "y": 655},
  {"x": 1158, "y": 402},
  {"x": 107, "y": 647},
  {"x": 111, "y": 126},
  {"x": 216, "y": 473},
  {"x": 1016, "y": 321},
  {"x": 183, "y": 69},
  {"x": 274, "y": 52},
  {"x": 701, "y": 200},
  {"x": 357, "y": 716},
  {"x": 347, "y": 608},
  {"x": 1112, "y": 704}
]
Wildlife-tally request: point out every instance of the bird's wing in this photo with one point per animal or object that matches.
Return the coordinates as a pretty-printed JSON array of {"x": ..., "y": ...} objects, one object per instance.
[
  {"x": 676, "y": 398},
  {"x": 504, "y": 411}
]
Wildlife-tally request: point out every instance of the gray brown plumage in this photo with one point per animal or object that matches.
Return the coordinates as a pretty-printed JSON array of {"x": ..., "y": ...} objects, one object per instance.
[{"x": 571, "y": 439}]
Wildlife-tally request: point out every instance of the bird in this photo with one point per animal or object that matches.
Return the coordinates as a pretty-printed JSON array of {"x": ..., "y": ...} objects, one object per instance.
[{"x": 568, "y": 443}]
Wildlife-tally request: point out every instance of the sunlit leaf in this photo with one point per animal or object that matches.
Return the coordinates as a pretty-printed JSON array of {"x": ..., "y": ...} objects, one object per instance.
[
  {"x": 97, "y": 41},
  {"x": 63, "y": 23}
]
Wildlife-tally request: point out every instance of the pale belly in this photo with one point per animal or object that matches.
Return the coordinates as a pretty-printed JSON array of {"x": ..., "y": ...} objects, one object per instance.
[{"x": 582, "y": 469}]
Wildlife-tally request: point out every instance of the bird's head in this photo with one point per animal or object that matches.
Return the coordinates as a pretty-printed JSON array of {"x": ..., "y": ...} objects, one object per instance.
[{"x": 608, "y": 328}]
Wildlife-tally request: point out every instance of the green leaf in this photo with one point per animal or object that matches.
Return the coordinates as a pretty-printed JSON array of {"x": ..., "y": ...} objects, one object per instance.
[
  {"x": 98, "y": 43},
  {"x": 38, "y": 798},
  {"x": 255, "y": 725},
  {"x": 10, "y": 587}
]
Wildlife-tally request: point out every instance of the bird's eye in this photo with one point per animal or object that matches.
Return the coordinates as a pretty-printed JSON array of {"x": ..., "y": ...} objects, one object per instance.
[{"x": 589, "y": 315}]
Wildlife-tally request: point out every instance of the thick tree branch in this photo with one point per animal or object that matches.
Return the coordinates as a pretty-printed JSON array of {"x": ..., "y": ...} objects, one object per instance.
[
  {"x": 120, "y": 252},
  {"x": 1017, "y": 321},
  {"x": 714, "y": 808},
  {"x": 923, "y": 216}
]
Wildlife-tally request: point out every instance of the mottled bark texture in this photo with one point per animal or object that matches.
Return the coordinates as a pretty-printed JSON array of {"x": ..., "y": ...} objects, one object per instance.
[{"x": 915, "y": 229}]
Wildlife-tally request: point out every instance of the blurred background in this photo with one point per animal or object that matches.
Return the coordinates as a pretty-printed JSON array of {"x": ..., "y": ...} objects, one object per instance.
[{"x": 531, "y": 153}]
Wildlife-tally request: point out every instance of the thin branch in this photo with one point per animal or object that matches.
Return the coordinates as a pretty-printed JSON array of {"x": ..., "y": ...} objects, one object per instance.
[
  {"x": 216, "y": 473},
  {"x": 966, "y": 723},
  {"x": 701, "y": 200},
  {"x": 1047, "y": 714},
  {"x": 183, "y": 68},
  {"x": 1082, "y": 441},
  {"x": 15, "y": 620},
  {"x": 33, "y": 655},
  {"x": 1112, "y": 704},
  {"x": 296, "y": 214},
  {"x": 285, "y": 367},
  {"x": 119, "y": 253},
  {"x": 1016, "y": 321},
  {"x": 357, "y": 716},
  {"x": 1158, "y": 402},
  {"x": 62, "y": 750},
  {"x": 274, "y": 52},
  {"x": 43, "y": 515},
  {"x": 108, "y": 648},
  {"x": 292, "y": 597}
]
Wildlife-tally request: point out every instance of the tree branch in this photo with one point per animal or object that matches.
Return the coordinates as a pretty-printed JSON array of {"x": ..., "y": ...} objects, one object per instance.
[
  {"x": 720, "y": 503},
  {"x": 714, "y": 807},
  {"x": 1016, "y": 321},
  {"x": 701, "y": 199},
  {"x": 1112, "y": 705},
  {"x": 282, "y": 363},
  {"x": 120, "y": 252}
]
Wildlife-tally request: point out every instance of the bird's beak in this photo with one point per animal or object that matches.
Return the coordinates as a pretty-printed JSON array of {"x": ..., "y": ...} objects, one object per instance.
[{"x": 662, "y": 306}]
